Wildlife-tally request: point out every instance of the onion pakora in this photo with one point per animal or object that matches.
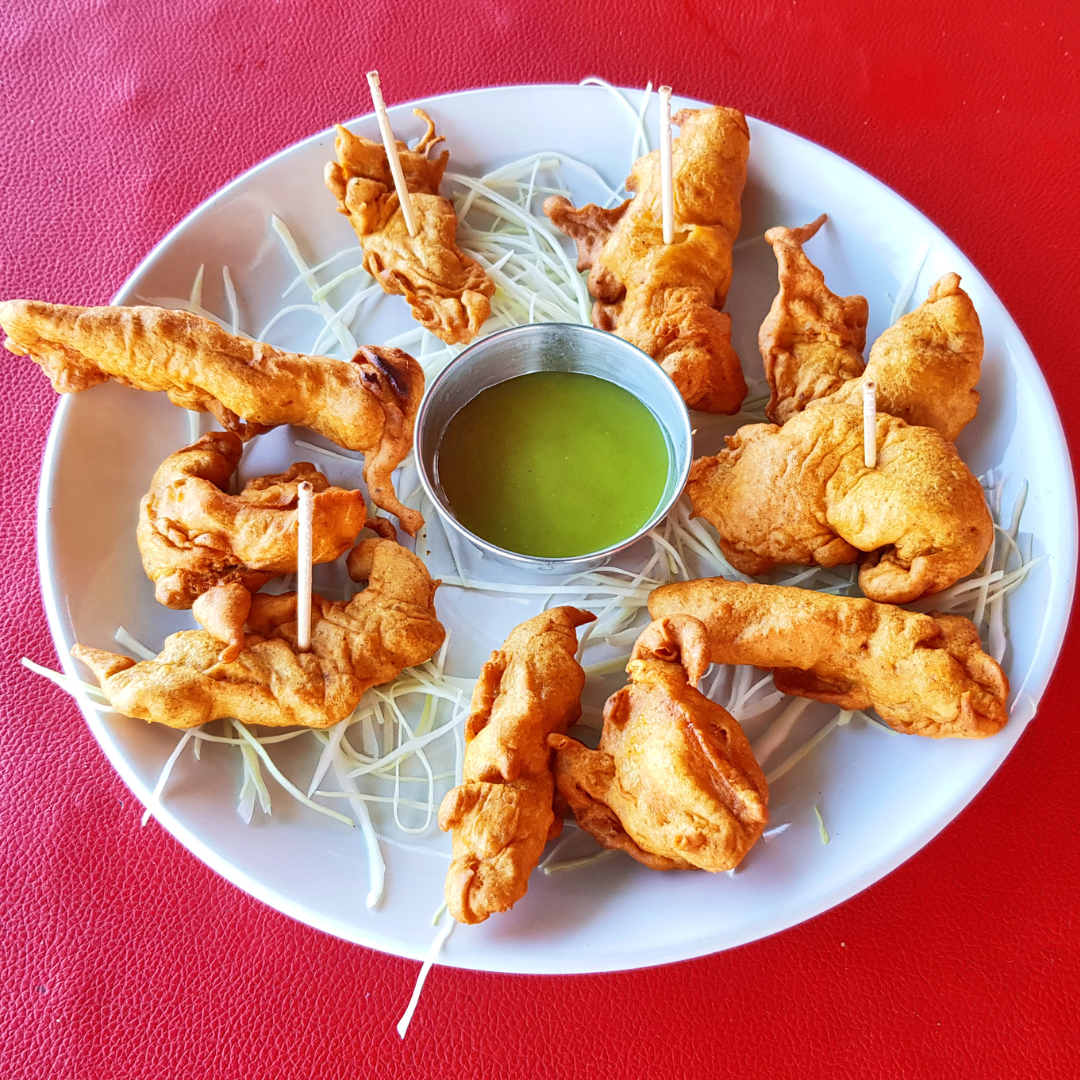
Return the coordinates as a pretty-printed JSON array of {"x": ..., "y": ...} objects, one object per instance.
[
  {"x": 449, "y": 293},
  {"x": 356, "y": 644},
  {"x": 193, "y": 536},
  {"x": 802, "y": 494},
  {"x": 367, "y": 404},
  {"x": 812, "y": 340},
  {"x": 673, "y": 781},
  {"x": 501, "y": 815},
  {"x": 925, "y": 366},
  {"x": 666, "y": 298},
  {"x": 924, "y": 674}
]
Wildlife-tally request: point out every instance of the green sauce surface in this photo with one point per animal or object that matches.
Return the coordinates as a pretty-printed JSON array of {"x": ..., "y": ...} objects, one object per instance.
[{"x": 553, "y": 464}]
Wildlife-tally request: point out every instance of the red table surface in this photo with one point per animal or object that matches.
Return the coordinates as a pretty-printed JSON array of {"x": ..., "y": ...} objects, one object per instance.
[{"x": 122, "y": 955}]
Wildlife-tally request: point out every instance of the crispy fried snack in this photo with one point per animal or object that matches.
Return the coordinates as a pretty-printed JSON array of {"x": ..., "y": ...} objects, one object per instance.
[
  {"x": 666, "y": 299},
  {"x": 449, "y": 293},
  {"x": 193, "y": 535},
  {"x": 355, "y": 645},
  {"x": 367, "y": 404},
  {"x": 501, "y": 815},
  {"x": 802, "y": 494},
  {"x": 812, "y": 340},
  {"x": 673, "y": 782},
  {"x": 925, "y": 674},
  {"x": 925, "y": 365}
]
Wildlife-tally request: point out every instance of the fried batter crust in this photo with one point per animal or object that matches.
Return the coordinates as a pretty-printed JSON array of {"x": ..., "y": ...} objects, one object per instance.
[
  {"x": 812, "y": 340},
  {"x": 673, "y": 782},
  {"x": 501, "y": 815},
  {"x": 802, "y": 494},
  {"x": 355, "y": 645},
  {"x": 925, "y": 366},
  {"x": 193, "y": 535},
  {"x": 222, "y": 611},
  {"x": 924, "y": 674},
  {"x": 927, "y": 363},
  {"x": 366, "y": 404},
  {"x": 448, "y": 292},
  {"x": 666, "y": 299}
]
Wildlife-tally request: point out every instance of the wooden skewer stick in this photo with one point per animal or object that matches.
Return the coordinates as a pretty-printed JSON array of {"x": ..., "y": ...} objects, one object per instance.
[
  {"x": 304, "y": 509},
  {"x": 869, "y": 419},
  {"x": 392, "y": 152},
  {"x": 667, "y": 192}
]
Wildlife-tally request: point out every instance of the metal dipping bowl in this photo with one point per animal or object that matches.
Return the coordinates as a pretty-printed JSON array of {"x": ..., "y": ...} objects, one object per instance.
[{"x": 522, "y": 350}]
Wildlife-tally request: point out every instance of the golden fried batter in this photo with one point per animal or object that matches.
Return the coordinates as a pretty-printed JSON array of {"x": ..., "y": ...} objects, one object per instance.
[
  {"x": 223, "y": 611},
  {"x": 193, "y": 535},
  {"x": 802, "y": 494},
  {"x": 812, "y": 340},
  {"x": 673, "y": 782},
  {"x": 501, "y": 815},
  {"x": 355, "y": 645},
  {"x": 367, "y": 404},
  {"x": 449, "y": 293},
  {"x": 925, "y": 674},
  {"x": 927, "y": 363},
  {"x": 666, "y": 299}
]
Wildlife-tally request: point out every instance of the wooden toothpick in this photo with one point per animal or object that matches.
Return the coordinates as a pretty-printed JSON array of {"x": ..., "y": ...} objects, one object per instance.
[
  {"x": 869, "y": 418},
  {"x": 391, "y": 152},
  {"x": 304, "y": 513},
  {"x": 667, "y": 191}
]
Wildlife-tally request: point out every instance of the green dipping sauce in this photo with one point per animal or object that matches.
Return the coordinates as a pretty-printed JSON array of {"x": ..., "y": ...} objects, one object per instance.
[{"x": 553, "y": 464}]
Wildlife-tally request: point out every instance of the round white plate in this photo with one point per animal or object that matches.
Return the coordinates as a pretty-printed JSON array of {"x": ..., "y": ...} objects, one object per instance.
[{"x": 882, "y": 797}]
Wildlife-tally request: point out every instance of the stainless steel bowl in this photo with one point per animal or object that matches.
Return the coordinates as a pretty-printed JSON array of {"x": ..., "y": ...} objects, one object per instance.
[{"x": 522, "y": 350}]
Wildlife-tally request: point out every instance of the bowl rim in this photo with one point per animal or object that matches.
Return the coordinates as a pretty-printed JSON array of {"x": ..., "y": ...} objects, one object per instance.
[{"x": 554, "y": 564}]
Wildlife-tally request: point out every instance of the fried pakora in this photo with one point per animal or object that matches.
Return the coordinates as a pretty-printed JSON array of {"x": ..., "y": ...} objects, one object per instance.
[
  {"x": 927, "y": 363},
  {"x": 193, "y": 535},
  {"x": 355, "y": 644},
  {"x": 673, "y": 781},
  {"x": 501, "y": 815},
  {"x": 367, "y": 404},
  {"x": 449, "y": 293},
  {"x": 924, "y": 674},
  {"x": 801, "y": 493},
  {"x": 666, "y": 299},
  {"x": 812, "y": 340},
  {"x": 925, "y": 366}
]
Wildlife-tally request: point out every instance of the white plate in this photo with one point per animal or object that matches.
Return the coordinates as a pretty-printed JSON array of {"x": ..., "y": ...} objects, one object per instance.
[{"x": 882, "y": 797}]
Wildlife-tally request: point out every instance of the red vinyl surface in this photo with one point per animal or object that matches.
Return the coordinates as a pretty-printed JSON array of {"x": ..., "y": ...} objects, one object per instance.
[{"x": 121, "y": 956}]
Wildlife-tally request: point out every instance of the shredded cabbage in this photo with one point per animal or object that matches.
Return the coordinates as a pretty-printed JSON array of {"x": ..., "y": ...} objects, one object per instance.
[
  {"x": 574, "y": 864},
  {"x": 907, "y": 287},
  {"x": 429, "y": 960},
  {"x": 771, "y": 834},
  {"x": 821, "y": 826}
]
